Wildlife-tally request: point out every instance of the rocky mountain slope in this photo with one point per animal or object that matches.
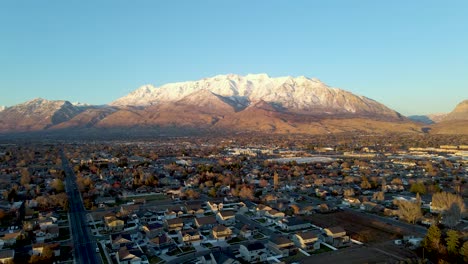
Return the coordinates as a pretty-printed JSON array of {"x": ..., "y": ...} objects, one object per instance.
[
  {"x": 36, "y": 114},
  {"x": 301, "y": 95},
  {"x": 455, "y": 122},
  {"x": 226, "y": 103}
]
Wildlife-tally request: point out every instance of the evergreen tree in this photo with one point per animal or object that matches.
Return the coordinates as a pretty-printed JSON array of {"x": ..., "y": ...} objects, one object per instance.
[
  {"x": 452, "y": 241},
  {"x": 464, "y": 251},
  {"x": 432, "y": 240}
]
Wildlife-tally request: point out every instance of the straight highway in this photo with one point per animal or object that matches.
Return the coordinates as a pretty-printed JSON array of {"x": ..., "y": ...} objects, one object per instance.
[{"x": 84, "y": 244}]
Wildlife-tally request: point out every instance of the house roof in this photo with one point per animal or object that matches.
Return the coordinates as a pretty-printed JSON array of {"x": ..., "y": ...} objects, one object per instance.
[
  {"x": 124, "y": 254},
  {"x": 174, "y": 221},
  {"x": 308, "y": 235},
  {"x": 225, "y": 214},
  {"x": 336, "y": 229},
  {"x": 9, "y": 236},
  {"x": 161, "y": 239},
  {"x": 206, "y": 220},
  {"x": 220, "y": 228},
  {"x": 280, "y": 240},
  {"x": 190, "y": 232}
]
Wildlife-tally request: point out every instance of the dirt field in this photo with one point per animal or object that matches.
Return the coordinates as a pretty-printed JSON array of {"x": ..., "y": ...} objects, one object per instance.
[
  {"x": 358, "y": 226},
  {"x": 356, "y": 254}
]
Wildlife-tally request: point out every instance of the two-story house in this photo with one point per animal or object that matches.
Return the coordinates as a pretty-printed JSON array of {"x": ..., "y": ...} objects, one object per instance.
[
  {"x": 307, "y": 240},
  {"x": 189, "y": 237},
  {"x": 281, "y": 245},
  {"x": 226, "y": 217},
  {"x": 254, "y": 253},
  {"x": 221, "y": 232}
]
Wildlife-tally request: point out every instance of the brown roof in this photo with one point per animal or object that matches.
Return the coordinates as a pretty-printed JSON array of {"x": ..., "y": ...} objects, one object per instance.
[
  {"x": 174, "y": 221},
  {"x": 336, "y": 229},
  {"x": 206, "y": 220},
  {"x": 225, "y": 214},
  {"x": 280, "y": 240},
  {"x": 308, "y": 235},
  {"x": 220, "y": 228}
]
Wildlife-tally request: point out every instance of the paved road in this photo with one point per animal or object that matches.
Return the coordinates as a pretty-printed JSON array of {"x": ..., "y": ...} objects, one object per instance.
[{"x": 83, "y": 243}]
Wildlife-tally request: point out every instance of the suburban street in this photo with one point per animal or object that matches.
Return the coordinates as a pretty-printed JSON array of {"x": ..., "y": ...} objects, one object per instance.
[{"x": 83, "y": 243}]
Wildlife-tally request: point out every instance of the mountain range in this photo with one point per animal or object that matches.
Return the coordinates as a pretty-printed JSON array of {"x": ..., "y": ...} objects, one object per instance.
[{"x": 233, "y": 103}]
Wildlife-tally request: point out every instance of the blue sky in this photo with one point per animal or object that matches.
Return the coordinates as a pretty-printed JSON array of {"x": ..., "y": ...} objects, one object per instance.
[{"x": 410, "y": 55}]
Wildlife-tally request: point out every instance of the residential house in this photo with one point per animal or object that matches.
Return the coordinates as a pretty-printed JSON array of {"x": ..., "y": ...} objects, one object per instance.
[
  {"x": 189, "y": 237},
  {"x": 293, "y": 223},
  {"x": 7, "y": 255},
  {"x": 38, "y": 248},
  {"x": 336, "y": 236},
  {"x": 174, "y": 212},
  {"x": 246, "y": 231},
  {"x": 128, "y": 209},
  {"x": 49, "y": 232},
  {"x": 273, "y": 215},
  {"x": 163, "y": 242},
  {"x": 174, "y": 224},
  {"x": 120, "y": 240},
  {"x": 281, "y": 245},
  {"x": 152, "y": 230},
  {"x": 221, "y": 232},
  {"x": 195, "y": 209},
  {"x": 261, "y": 209},
  {"x": 113, "y": 224},
  {"x": 226, "y": 217},
  {"x": 307, "y": 240},
  {"x": 206, "y": 222},
  {"x": 124, "y": 256},
  {"x": 254, "y": 253},
  {"x": 215, "y": 206},
  {"x": 9, "y": 239}
]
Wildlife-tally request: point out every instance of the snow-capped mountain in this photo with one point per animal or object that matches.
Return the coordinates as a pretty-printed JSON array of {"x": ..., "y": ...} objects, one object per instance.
[
  {"x": 2, "y": 108},
  {"x": 226, "y": 103},
  {"x": 36, "y": 114},
  {"x": 295, "y": 94}
]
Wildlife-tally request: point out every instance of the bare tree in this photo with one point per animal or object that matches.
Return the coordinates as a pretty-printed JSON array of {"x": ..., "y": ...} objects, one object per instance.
[
  {"x": 452, "y": 216},
  {"x": 409, "y": 211},
  {"x": 444, "y": 200}
]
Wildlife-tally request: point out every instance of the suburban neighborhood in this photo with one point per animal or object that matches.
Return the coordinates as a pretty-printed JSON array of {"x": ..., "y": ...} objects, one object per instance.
[{"x": 231, "y": 201}]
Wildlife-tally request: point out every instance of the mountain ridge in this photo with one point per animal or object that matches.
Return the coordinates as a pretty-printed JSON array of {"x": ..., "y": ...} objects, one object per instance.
[{"x": 251, "y": 103}]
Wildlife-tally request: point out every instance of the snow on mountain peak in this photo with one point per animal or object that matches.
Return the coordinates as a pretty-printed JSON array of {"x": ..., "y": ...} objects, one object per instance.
[{"x": 299, "y": 93}]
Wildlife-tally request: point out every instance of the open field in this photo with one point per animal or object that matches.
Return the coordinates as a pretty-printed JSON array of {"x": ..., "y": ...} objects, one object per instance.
[
  {"x": 358, "y": 226},
  {"x": 355, "y": 254}
]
